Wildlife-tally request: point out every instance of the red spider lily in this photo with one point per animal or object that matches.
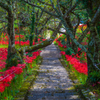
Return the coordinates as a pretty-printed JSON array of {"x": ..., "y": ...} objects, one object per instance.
[
  {"x": 62, "y": 53},
  {"x": 80, "y": 67},
  {"x": 43, "y": 39},
  {"x": 21, "y": 65},
  {"x": 2, "y": 87},
  {"x": 38, "y": 39},
  {"x": 39, "y": 35},
  {"x": 8, "y": 75},
  {"x": 37, "y": 53},
  {"x": 18, "y": 70},
  {"x": 33, "y": 43},
  {"x": 59, "y": 44},
  {"x": 77, "y": 56},
  {"x": 31, "y": 59},
  {"x": 65, "y": 46},
  {"x": 3, "y": 57},
  {"x": 79, "y": 49},
  {"x": 24, "y": 43},
  {"x": 8, "y": 79},
  {"x": 5, "y": 97}
]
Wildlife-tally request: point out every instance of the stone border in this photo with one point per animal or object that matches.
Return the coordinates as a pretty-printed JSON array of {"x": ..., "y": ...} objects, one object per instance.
[{"x": 22, "y": 94}]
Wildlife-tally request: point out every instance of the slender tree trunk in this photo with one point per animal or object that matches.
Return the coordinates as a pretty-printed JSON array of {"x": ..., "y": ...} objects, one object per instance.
[
  {"x": 11, "y": 61},
  {"x": 74, "y": 46},
  {"x": 11, "y": 34},
  {"x": 32, "y": 29},
  {"x": 68, "y": 40}
]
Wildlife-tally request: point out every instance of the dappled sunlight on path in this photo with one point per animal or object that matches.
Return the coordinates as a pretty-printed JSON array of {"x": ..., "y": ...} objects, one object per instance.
[{"x": 53, "y": 82}]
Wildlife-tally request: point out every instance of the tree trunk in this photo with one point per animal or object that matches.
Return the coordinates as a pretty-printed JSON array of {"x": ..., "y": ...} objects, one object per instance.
[
  {"x": 32, "y": 28},
  {"x": 11, "y": 46},
  {"x": 74, "y": 46},
  {"x": 68, "y": 41},
  {"x": 93, "y": 48}
]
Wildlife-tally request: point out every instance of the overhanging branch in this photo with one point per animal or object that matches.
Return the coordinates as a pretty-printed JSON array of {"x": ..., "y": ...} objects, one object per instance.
[
  {"x": 36, "y": 47},
  {"x": 48, "y": 12},
  {"x": 5, "y": 6},
  {"x": 96, "y": 16}
]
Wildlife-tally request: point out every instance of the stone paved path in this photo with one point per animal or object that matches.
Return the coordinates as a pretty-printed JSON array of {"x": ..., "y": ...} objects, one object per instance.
[{"x": 52, "y": 82}]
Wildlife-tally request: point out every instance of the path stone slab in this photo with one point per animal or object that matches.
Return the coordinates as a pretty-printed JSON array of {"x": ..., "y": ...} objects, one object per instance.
[{"x": 53, "y": 82}]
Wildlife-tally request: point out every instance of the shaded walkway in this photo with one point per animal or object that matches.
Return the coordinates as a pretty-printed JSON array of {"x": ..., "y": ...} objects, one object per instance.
[{"x": 52, "y": 82}]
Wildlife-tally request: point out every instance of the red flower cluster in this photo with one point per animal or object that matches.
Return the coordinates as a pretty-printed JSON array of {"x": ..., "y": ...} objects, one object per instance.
[
  {"x": 4, "y": 40},
  {"x": 31, "y": 59},
  {"x": 58, "y": 37},
  {"x": 59, "y": 44},
  {"x": 62, "y": 53},
  {"x": 43, "y": 39},
  {"x": 80, "y": 67},
  {"x": 9, "y": 74},
  {"x": 17, "y": 37},
  {"x": 26, "y": 43},
  {"x": 3, "y": 57}
]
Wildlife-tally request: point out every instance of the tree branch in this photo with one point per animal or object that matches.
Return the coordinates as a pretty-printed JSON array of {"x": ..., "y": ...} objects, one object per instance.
[
  {"x": 71, "y": 9},
  {"x": 83, "y": 35},
  {"x": 5, "y": 6},
  {"x": 36, "y": 47},
  {"x": 44, "y": 24},
  {"x": 59, "y": 8},
  {"x": 55, "y": 30},
  {"x": 78, "y": 21},
  {"x": 48, "y": 12},
  {"x": 41, "y": 14},
  {"x": 44, "y": 3},
  {"x": 96, "y": 16}
]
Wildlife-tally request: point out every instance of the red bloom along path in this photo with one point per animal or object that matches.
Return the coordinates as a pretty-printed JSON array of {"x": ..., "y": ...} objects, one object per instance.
[
  {"x": 81, "y": 67},
  {"x": 9, "y": 75}
]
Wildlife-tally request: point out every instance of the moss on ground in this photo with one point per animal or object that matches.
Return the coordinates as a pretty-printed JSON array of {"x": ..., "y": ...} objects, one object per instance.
[{"x": 22, "y": 94}]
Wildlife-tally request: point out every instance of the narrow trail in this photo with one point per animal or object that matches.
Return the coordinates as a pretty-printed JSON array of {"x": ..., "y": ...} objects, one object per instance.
[{"x": 53, "y": 82}]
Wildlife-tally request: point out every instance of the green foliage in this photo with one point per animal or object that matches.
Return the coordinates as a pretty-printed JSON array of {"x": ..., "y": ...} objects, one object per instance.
[
  {"x": 69, "y": 51},
  {"x": 16, "y": 23},
  {"x": 94, "y": 77},
  {"x": 12, "y": 61},
  {"x": 29, "y": 54},
  {"x": 62, "y": 37},
  {"x": 63, "y": 41},
  {"x": 26, "y": 37}
]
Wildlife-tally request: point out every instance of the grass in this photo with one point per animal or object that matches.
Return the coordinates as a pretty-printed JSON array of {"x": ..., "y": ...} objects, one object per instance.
[
  {"x": 3, "y": 46},
  {"x": 27, "y": 84},
  {"x": 80, "y": 76}
]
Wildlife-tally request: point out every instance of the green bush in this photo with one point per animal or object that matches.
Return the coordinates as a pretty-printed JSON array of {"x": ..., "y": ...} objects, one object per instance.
[
  {"x": 69, "y": 51},
  {"x": 94, "y": 77}
]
